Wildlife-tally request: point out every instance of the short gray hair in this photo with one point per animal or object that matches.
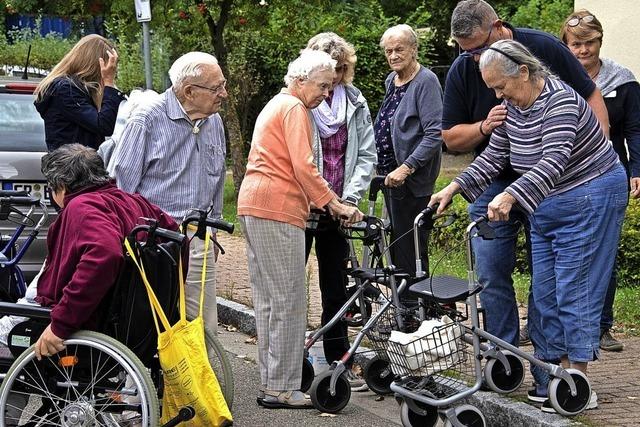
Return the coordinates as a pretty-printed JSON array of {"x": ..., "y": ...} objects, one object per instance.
[
  {"x": 469, "y": 15},
  {"x": 189, "y": 66},
  {"x": 510, "y": 55},
  {"x": 404, "y": 30},
  {"x": 73, "y": 167},
  {"x": 309, "y": 61}
]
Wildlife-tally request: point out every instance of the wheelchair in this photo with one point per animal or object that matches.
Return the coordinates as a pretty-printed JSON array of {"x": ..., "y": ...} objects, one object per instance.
[{"x": 109, "y": 376}]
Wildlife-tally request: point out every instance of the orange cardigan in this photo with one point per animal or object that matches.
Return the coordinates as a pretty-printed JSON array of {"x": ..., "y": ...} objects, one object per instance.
[{"x": 282, "y": 178}]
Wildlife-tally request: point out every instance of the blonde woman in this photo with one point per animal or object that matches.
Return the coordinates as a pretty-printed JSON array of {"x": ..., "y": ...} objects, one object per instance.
[
  {"x": 346, "y": 154},
  {"x": 78, "y": 100}
]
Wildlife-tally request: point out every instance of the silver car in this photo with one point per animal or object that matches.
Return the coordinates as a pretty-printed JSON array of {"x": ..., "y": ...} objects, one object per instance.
[{"x": 22, "y": 144}]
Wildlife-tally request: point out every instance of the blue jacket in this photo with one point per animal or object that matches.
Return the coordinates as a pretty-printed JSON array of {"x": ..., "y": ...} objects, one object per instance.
[{"x": 70, "y": 115}]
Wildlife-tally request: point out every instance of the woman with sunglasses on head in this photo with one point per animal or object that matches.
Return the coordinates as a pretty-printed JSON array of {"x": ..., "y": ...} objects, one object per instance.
[
  {"x": 582, "y": 33},
  {"x": 408, "y": 140},
  {"x": 345, "y": 154},
  {"x": 571, "y": 186}
]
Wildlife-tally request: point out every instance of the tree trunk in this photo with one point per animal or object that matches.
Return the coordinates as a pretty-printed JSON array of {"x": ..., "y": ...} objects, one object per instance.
[
  {"x": 230, "y": 115},
  {"x": 236, "y": 143}
]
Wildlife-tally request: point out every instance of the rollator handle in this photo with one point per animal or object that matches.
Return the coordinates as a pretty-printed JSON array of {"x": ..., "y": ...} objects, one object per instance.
[
  {"x": 484, "y": 230},
  {"x": 377, "y": 184}
]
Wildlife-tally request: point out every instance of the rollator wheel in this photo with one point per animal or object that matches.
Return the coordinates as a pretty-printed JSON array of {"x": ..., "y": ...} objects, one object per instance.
[
  {"x": 321, "y": 393},
  {"x": 495, "y": 373},
  {"x": 220, "y": 364},
  {"x": 96, "y": 380},
  {"x": 409, "y": 418},
  {"x": 308, "y": 375},
  {"x": 560, "y": 394},
  {"x": 378, "y": 375},
  {"x": 469, "y": 416}
]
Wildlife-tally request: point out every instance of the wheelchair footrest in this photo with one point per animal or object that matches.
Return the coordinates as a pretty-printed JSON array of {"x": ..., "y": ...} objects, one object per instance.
[{"x": 442, "y": 289}]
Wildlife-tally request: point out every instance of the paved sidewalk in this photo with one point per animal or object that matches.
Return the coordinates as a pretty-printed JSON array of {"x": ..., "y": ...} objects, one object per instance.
[{"x": 616, "y": 377}]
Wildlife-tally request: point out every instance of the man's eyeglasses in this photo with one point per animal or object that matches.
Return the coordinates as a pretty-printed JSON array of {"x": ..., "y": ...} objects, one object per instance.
[
  {"x": 478, "y": 50},
  {"x": 215, "y": 90},
  {"x": 573, "y": 22}
]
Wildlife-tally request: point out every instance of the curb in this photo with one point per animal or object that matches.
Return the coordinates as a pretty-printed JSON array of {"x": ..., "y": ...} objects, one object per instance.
[{"x": 499, "y": 411}]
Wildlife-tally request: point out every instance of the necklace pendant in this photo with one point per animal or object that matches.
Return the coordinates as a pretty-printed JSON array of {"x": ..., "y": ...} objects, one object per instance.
[{"x": 196, "y": 130}]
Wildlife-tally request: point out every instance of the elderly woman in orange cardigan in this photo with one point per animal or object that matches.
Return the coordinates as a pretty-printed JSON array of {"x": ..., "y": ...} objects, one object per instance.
[{"x": 281, "y": 183}]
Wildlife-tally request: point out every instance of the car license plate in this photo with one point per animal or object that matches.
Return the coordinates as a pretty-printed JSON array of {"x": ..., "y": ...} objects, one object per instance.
[{"x": 36, "y": 189}]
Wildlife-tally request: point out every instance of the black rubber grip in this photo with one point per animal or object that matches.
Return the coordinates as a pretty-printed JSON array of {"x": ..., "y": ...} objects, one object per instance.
[
  {"x": 20, "y": 200},
  {"x": 221, "y": 225}
]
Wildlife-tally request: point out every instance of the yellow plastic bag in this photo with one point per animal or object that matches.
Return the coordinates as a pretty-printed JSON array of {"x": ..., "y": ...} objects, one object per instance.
[{"x": 189, "y": 379}]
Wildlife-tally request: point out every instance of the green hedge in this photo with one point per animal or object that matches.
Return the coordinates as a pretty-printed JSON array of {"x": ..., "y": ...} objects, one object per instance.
[{"x": 628, "y": 266}]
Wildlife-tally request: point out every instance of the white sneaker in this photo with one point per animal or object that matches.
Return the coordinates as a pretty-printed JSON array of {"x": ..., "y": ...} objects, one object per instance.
[
  {"x": 593, "y": 404},
  {"x": 356, "y": 382}
]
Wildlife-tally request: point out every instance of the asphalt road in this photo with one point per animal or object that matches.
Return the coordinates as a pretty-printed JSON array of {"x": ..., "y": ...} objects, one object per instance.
[{"x": 363, "y": 409}]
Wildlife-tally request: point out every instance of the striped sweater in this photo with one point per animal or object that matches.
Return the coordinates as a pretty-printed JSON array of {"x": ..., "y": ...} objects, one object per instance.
[{"x": 555, "y": 145}]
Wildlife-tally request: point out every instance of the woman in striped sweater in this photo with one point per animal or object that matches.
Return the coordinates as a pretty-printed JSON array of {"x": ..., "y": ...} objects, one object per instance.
[{"x": 573, "y": 188}]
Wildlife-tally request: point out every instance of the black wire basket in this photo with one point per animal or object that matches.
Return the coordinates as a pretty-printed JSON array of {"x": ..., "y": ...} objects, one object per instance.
[{"x": 429, "y": 357}]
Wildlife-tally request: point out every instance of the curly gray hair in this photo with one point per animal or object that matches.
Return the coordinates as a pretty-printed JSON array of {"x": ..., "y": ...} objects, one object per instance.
[
  {"x": 308, "y": 62},
  {"x": 73, "y": 167}
]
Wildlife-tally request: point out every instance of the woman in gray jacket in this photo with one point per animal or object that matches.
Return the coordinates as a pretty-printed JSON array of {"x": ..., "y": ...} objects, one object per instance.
[
  {"x": 408, "y": 141},
  {"x": 345, "y": 153}
]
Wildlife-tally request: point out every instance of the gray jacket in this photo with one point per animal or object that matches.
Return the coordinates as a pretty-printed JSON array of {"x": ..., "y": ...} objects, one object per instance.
[
  {"x": 416, "y": 130},
  {"x": 360, "y": 157}
]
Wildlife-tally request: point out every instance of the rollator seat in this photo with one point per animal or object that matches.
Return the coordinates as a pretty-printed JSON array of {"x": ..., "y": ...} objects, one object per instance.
[{"x": 442, "y": 289}]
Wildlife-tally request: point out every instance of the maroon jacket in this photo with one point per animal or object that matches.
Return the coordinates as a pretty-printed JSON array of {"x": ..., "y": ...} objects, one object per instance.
[{"x": 86, "y": 252}]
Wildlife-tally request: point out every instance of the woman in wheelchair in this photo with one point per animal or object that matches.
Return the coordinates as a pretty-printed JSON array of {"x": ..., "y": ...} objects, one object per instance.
[{"x": 84, "y": 244}]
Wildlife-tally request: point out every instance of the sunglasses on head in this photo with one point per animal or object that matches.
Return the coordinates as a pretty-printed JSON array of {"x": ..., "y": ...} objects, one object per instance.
[{"x": 573, "y": 22}]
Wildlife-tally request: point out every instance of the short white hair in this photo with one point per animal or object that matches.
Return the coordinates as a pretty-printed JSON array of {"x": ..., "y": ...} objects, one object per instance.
[
  {"x": 189, "y": 65},
  {"x": 308, "y": 62},
  {"x": 402, "y": 30}
]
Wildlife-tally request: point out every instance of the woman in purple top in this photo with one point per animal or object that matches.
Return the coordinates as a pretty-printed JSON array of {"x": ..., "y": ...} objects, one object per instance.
[{"x": 345, "y": 153}]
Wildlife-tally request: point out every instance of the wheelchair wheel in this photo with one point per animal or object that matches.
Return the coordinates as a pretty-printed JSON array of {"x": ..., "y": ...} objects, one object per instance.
[
  {"x": 560, "y": 394},
  {"x": 308, "y": 374},
  {"x": 321, "y": 393},
  {"x": 495, "y": 374},
  {"x": 220, "y": 364},
  {"x": 469, "y": 416},
  {"x": 409, "y": 418},
  {"x": 378, "y": 375},
  {"x": 96, "y": 380}
]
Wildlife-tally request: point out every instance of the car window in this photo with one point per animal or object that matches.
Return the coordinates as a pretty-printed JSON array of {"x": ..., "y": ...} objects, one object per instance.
[{"x": 21, "y": 127}]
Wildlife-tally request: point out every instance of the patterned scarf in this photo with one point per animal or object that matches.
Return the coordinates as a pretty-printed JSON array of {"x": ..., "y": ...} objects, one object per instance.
[
  {"x": 612, "y": 75},
  {"x": 330, "y": 118}
]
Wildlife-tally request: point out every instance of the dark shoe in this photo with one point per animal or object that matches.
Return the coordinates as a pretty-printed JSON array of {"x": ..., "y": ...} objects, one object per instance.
[
  {"x": 609, "y": 343},
  {"x": 593, "y": 404},
  {"x": 293, "y": 399},
  {"x": 524, "y": 335},
  {"x": 533, "y": 396}
]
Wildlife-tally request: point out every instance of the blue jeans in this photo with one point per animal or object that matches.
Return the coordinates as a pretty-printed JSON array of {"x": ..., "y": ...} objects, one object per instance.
[
  {"x": 495, "y": 261},
  {"x": 574, "y": 240}
]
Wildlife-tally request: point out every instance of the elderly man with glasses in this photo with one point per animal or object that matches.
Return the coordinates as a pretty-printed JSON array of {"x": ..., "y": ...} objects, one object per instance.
[
  {"x": 471, "y": 112},
  {"x": 172, "y": 152}
]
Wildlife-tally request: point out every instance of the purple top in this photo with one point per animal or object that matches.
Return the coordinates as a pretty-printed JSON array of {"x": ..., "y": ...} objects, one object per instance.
[
  {"x": 382, "y": 129},
  {"x": 333, "y": 154}
]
